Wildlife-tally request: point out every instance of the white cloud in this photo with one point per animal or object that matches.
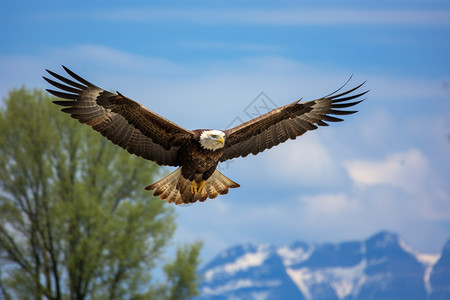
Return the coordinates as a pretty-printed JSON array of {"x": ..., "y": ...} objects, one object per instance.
[
  {"x": 404, "y": 188},
  {"x": 408, "y": 171}
]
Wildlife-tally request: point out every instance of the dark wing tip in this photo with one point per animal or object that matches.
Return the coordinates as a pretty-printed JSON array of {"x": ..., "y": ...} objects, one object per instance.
[
  {"x": 329, "y": 118},
  {"x": 63, "y": 95},
  {"x": 63, "y": 103},
  {"x": 77, "y": 77},
  {"x": 70, "y": 84},
  {"x": 334, "y": 94},
  {"x": 52, "y": 73},
  {"x": 344, "y": 100},
  {"x": 341, "y": 87},
  {"x": 345, "y": 104}
]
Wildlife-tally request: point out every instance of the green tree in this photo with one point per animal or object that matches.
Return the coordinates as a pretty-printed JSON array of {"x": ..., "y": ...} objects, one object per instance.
[
  {"x": 75, "y": 220},
  {"x": 181, "y": 283}
]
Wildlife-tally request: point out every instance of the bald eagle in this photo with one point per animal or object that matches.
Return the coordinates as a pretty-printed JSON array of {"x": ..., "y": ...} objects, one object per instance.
[{"x": 196, "y": 153}]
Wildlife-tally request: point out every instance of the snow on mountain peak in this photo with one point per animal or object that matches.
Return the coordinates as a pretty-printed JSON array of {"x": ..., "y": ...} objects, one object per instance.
[
  {"x": 425, "y": 258},
  {"x": 344, "y": 281},
  {"x": 238, "y": 284},
  {"x": 428, "y": 260},
  {"x": 242, "y": 263},
  {"x": 294, "y": 255}
]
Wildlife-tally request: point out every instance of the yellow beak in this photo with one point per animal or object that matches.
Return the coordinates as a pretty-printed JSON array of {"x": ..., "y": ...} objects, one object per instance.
[{"x": 221, "y": 140}]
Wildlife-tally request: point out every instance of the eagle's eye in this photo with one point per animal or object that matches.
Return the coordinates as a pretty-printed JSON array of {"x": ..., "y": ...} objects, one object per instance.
[{"x": 214, "y": 136}]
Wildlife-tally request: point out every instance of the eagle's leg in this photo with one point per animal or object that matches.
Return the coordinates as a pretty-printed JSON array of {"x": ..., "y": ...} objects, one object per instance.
[
  {"x": 201, "y": 185},
  {"x": 197, "y": 187},
  {"x": 193, "y": 187}
]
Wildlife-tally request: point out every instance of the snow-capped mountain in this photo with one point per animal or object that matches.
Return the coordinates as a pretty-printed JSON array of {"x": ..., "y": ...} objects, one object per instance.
[{"x": 381, "y": 267}]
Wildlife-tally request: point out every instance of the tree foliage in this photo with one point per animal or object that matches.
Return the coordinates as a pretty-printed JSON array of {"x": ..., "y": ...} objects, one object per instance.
[
  {"x": 75, "y": 221},
  {"x": 179, "y": 273}
]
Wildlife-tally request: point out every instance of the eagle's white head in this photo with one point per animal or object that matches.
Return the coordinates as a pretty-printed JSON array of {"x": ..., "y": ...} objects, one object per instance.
[{"x": 212, "y": 139}]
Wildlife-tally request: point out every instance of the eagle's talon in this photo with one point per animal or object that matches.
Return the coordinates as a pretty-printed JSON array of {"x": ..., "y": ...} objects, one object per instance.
[
  {"x": 193, "y": 187},
  {"x": 197, "y": 187},
  {"x": 201, "y": 186}
]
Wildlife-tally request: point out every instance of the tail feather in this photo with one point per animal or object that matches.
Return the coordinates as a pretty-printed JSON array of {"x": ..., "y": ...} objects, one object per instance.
[{"x": 175, "y": 188}]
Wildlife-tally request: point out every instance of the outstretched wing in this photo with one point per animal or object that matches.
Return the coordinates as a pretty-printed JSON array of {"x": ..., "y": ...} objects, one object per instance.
[
  {"x": 121, "y": 120},
  {"x": 287, "y": 122}
]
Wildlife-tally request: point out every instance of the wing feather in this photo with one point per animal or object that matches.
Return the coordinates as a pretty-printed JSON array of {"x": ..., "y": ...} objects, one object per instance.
[
  {"x": 65, "y": 80},
  {"x": 123, "y": 121},
  {"x": 288, "y": 122},
  {"x": 289, "y": 131},
  {"x": 274, "y": 138}
]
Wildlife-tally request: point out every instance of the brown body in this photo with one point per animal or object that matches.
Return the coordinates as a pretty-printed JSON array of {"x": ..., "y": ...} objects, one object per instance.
[
  {"x": 140, "y": 131},
  {"x": 197, "y": 165},
  {"x": 196, "y": 162}
]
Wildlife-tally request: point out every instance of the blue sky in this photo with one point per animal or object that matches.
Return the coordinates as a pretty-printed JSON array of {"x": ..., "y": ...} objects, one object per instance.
[{"x": 203, "y": 64}]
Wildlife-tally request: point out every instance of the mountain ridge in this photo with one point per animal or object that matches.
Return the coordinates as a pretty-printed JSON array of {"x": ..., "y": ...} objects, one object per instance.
[{"x": 382, "y": 266}]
